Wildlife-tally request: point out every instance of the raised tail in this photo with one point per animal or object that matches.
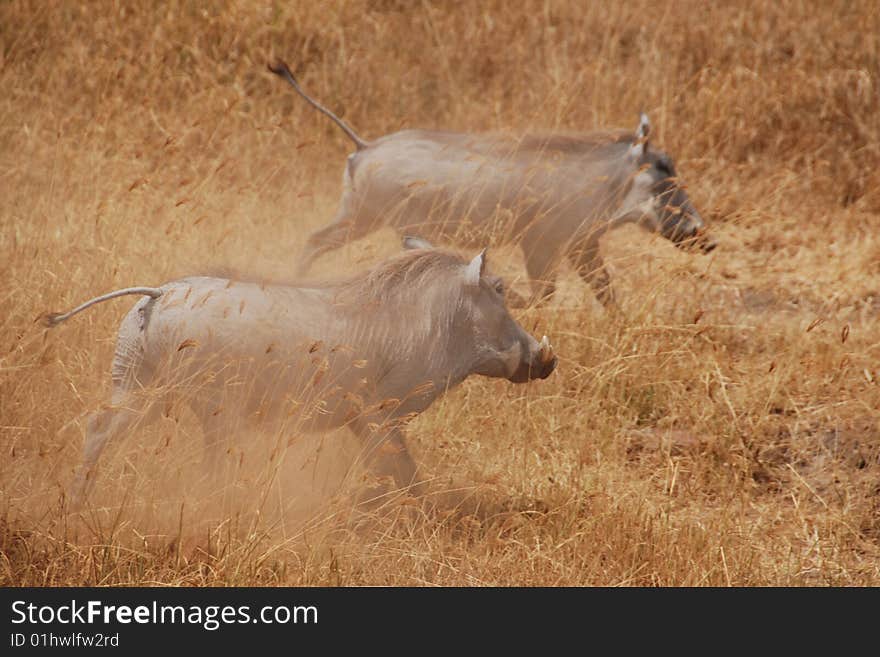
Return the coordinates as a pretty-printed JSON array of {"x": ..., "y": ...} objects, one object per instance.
[
  {"x": 54, "y": 319},
  {"x": 281, "y": 69}
]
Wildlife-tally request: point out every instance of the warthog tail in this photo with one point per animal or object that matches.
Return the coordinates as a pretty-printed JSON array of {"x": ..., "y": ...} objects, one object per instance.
[
  {"x": 54, "y": 319},
  {"x": 281, "y": 69}
]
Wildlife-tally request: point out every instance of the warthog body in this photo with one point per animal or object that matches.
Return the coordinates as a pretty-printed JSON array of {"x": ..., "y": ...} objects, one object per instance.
[
  {"x": 554, "y": 195},
  {"x": 366, "y": 353}
]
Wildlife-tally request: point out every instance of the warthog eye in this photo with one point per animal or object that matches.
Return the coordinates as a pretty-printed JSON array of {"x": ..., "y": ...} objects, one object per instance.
[
  {"x": 499, "y": 286},
  {"x": 664, "y": 166}
]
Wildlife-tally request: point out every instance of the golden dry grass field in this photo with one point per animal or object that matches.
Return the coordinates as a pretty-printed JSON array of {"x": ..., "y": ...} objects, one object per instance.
[{"x": 724, "y": 431}]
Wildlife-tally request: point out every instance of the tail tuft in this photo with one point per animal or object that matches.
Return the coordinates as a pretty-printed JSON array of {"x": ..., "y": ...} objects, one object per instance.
[{"x": 279, "y": 67}]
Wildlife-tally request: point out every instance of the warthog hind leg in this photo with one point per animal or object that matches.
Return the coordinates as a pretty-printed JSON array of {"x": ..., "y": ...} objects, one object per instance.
[
  {"x": 102, "y": 426},
  {"x": 128, "y": 404},
  {"x": 347, "y": 226}
]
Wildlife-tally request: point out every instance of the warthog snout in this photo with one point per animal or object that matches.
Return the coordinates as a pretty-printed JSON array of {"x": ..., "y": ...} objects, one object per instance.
[
  {"x": 706, "y": 243},
  {"x": 539, "y": 363},
  {"x": 697, "y": 239},
  {"x": 688, "y": 231}
]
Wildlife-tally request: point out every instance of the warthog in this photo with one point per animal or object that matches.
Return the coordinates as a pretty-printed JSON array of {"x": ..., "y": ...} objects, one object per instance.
[
  {"x": 554, "y": 195},
  {"x": 366, "y": 353}
]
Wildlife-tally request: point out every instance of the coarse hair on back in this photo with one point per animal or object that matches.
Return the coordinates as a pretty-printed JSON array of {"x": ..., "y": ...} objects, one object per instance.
[
  {"x": 416, "y": 272},
  {"x": 401, "y": 273},
  {"x": 407, "y": 304},
  {"x": 575, "y": 143}
]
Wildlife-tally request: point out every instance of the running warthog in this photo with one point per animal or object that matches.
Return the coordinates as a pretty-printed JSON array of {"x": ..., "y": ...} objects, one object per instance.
[
  {"x": 554, "y": 195},
  {"x": 366, "y": 353}
]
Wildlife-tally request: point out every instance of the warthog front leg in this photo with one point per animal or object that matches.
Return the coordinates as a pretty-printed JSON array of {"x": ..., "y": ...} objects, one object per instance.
[
  {"x": 541, "y": 266},
  {"x": 591, "y": 268},
  {"x": 386, "y": 455}
]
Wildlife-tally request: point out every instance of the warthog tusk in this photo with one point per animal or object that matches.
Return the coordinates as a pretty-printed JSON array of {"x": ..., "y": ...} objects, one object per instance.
[{"x": 546, "y": 353}]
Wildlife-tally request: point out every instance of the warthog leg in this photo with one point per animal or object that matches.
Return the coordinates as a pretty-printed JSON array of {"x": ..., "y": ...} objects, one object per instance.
[
  {"x": 321, "y": 241},
  {"x": 386, "y": 455},
  {"x": 541, "y": 267},
  {"x": 346, "y": 226},
  {"x": 591, "y": 268},
  {"x": 101, "y": 427}
]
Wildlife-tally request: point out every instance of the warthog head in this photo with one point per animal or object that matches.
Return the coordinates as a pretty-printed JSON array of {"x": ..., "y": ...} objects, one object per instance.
[
  {"x": 499, "y": 346},
  {"x": 668, "y": 209}
]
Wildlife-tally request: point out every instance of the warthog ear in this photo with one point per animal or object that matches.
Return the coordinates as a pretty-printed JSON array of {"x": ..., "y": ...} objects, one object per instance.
[
  {"x": 475, "y": 269},
  {"x": 640, "y": 144},
  {"x": 410, "y": 242}
]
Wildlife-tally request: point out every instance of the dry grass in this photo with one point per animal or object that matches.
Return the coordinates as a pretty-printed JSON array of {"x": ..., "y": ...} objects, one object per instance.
[{"x": 727, "y": 431}]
